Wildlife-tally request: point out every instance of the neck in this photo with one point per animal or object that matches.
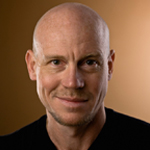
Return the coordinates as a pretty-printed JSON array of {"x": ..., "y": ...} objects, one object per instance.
[{"x": 76, "y": 137}]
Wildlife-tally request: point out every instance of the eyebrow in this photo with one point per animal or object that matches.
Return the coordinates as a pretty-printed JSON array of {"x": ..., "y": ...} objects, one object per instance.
[
  {"x": 92, "y": 55},
  {"x": 54, "y": 56},
  {"x": 48, "y": 57}
]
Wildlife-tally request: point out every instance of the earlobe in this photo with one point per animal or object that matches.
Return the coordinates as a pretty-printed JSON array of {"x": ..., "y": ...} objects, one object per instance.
[
  {"x": 31, "y": 62},
  {"x": 111, "y": 59}
]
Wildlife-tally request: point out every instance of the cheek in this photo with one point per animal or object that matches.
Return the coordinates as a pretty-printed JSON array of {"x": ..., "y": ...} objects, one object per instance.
[
  {"x": 99, "y": 85},
  {"x": 99, "y": 89},
  {"x": 46, "y": 83}
]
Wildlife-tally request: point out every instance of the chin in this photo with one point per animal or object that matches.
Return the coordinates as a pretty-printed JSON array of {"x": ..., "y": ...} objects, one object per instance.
[{"x": 72, "y": 119}]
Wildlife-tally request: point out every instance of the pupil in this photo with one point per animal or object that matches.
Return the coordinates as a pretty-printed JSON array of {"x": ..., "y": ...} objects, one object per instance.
[
  {"x": 56, "y": 62},
  {"x": 89, "y": 62}
]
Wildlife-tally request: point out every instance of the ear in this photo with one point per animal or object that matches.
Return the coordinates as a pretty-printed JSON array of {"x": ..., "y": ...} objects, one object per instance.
[
  {"x": 31, "y": 62},
  {"x": 111, "y": 59}
]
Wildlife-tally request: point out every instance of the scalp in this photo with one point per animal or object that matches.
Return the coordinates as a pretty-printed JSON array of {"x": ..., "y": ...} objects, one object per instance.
[{"x": 73, "y": 16}]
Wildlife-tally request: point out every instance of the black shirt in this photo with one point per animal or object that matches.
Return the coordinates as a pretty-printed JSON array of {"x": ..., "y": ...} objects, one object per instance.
[{"x": 119, "y": 132}]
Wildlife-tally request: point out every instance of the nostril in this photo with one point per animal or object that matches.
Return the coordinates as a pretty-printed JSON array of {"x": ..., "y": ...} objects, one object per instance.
[
  {"x": 73, "y": 81},
  {"x": 80, "y": 83}
]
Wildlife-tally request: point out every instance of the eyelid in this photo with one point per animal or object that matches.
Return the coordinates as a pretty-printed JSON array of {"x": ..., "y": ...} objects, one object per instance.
[
  {"x": 56, "y": 58},
  {"x": 60, "y": 62},
  {"x": 52, "y": 61},
  {"x": 90, "y": 58},
  {"x": 93, "y": 61},
  {"x": 56, "y": 67}
]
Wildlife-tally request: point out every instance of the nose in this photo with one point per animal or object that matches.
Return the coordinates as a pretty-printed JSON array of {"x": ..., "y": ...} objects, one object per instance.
[{"x": 72, "y": 78}]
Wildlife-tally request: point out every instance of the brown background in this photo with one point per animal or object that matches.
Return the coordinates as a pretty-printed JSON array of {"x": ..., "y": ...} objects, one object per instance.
[{"x": 129, "y": 89}]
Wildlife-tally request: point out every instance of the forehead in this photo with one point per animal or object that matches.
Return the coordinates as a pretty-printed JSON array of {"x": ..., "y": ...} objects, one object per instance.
[
  {"x": 69, "y": 38},
  {"x": 70, "y": 43}
]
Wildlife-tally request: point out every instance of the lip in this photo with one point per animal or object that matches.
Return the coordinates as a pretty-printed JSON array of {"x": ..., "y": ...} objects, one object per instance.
[
  {"x": 72, "y": 99},
  {"x": 72, "y": 102}
]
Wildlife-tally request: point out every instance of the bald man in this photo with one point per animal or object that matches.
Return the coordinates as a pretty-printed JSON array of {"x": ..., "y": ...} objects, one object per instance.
[{"x": 72, "y": 64}]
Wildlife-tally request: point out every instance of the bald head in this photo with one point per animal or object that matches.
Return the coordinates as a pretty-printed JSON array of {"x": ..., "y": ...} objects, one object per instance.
[{"x": 72, "y": 20}]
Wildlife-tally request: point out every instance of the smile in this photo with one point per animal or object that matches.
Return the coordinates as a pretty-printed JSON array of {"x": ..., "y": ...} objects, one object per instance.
[{"x": 72, "y": 102}]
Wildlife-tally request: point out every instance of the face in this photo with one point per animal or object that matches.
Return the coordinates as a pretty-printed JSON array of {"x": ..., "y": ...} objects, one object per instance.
[{"x": 71, "y": 72}]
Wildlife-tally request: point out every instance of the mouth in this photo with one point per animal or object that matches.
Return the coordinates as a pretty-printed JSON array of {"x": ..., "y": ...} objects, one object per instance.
[{"x": 72, "y": 101}]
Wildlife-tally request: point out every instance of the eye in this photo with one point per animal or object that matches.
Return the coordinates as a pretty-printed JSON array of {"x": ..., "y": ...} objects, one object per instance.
[
  {"x": 55, "y": 62},
  {"x": 91, "y": 62},
  {"x": 90, "y": 65}
]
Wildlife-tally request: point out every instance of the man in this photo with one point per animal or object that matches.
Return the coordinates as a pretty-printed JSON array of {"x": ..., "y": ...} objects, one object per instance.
[{"x": 72, "y": 64}]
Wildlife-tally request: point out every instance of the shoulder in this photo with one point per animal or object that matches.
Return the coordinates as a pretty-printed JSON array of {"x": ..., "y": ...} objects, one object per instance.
[
  {"x": 24, "y": 136},
  {"x": 125, "y": 121},
  {"x": 128, "y": 130}
]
